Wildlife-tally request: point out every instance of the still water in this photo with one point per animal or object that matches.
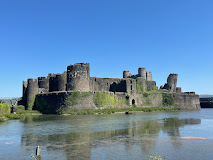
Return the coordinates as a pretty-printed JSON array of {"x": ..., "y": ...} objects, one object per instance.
[{"x": 118, "y": 136}]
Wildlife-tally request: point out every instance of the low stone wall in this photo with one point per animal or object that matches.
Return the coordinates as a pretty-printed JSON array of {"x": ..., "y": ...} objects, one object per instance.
[
  {"x": 56, "y": 102},
  {"x": 187, "y": 100}
]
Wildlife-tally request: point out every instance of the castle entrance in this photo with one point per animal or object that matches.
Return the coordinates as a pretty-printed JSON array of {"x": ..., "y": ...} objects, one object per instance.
[{"x": 133, "y": 102}]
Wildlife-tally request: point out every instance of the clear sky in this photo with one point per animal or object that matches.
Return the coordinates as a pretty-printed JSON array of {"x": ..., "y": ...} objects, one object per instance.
[{"x": 38, "y": 37}]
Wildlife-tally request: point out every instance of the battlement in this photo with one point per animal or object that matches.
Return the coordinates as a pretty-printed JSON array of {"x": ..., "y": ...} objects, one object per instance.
[
  {"x": 78, "y": 65},
  {"x": 41, "y": 78},
  {"x": 147, "y": 75}
]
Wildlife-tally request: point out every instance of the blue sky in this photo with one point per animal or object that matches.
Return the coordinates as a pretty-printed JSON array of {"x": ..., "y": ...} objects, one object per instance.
[{"x": 38, "y": 37}]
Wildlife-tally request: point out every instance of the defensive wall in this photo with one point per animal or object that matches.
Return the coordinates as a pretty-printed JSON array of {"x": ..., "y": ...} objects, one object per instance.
[{"x": 75, "y": 89}]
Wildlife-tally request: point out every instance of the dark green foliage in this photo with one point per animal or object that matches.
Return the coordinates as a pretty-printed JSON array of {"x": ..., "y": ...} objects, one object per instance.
[
  {"x": 41, "y": 105},
  {"x": 145, "y": 94},
  {"x": 168, "y": 99},
  {"x": 5, "y": 108}
]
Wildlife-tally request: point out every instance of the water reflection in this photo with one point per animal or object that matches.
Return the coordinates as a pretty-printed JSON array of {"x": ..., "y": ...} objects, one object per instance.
[{"x": 83, "y": 143}]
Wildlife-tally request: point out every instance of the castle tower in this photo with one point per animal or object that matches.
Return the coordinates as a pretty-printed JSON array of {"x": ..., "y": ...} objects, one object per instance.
[
  {"x": 32, "y": 90},
  {"x": 148, "y": 76},
  {"x": 51, "y": 82},
  {"x": 142, "y": 72},
  {"x": 43, "y": 82},
  {"x": 59, "y": 82},
  {"x": 78, "y": 76},
  {"x": 125, "y": 74},
  {"x": 171, "y": 83}
]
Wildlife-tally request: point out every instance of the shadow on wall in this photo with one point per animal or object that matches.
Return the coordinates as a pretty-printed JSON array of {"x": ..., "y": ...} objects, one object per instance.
[{"x": 118, "y": 87}]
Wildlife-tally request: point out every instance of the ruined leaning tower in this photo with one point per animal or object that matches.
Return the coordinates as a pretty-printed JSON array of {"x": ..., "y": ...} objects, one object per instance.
[
  {"x": 171, "y": 83},
  {"x": 78, "y": 77}
]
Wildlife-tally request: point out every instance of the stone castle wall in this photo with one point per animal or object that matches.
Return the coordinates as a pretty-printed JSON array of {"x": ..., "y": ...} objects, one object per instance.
[{"x": 134, "y": 89}]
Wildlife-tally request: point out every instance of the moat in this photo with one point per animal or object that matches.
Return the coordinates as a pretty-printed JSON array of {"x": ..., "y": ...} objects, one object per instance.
[{"x": 116, "y": 136}]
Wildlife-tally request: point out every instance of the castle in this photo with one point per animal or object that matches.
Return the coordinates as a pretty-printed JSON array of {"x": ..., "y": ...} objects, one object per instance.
[{"x": 50, "y": 93}]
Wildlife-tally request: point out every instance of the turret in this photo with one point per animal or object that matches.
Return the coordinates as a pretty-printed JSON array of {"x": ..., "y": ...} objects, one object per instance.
[
  {"x": 126, "y": 74},
  {"x": 78, "y": 76},
  {"x": 59, "y": 82},
  {"x": 43, "y": 82},
  {"x": 148, "y": 76},
  {"x": 32, "y": 90},
  {"x": 142, "y": 72},
  {"x": 51, "y": 82}
]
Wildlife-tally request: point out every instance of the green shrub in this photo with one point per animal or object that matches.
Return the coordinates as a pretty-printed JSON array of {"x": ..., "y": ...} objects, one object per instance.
[
  {"x": 168, "y": 99},
  {"x": 20, "y": 108},
  {"x": 5, "y": 108},
  {"x": 145, "y": 94},
  {"x": 109, "y": 99}
]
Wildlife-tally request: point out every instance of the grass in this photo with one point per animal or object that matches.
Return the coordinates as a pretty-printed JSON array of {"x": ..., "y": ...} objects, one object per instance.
[
  {"x": 114, "y": 110},
  {"x": 5, "y": 117},
  {"x": 29, "y": 112},
  {"x": 4, "y": 108}
]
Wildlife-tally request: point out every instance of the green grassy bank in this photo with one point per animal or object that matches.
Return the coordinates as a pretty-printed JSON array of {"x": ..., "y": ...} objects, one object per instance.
[
  {"x": 114, "y": 110},
  {"x": 19, "y": 112}
]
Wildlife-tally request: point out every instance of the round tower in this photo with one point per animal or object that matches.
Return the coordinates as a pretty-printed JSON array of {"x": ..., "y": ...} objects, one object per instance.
[
  {"x": 148, "y": 76},
  {"x": 125, "y": 74},
  {"x": 32, "y": 89},
  {"x": 51, "y": 83},
  {"x": 59, "y": 82},
  {"x": 78, "y": 76},
  {"x": 142, "y": 72}
]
